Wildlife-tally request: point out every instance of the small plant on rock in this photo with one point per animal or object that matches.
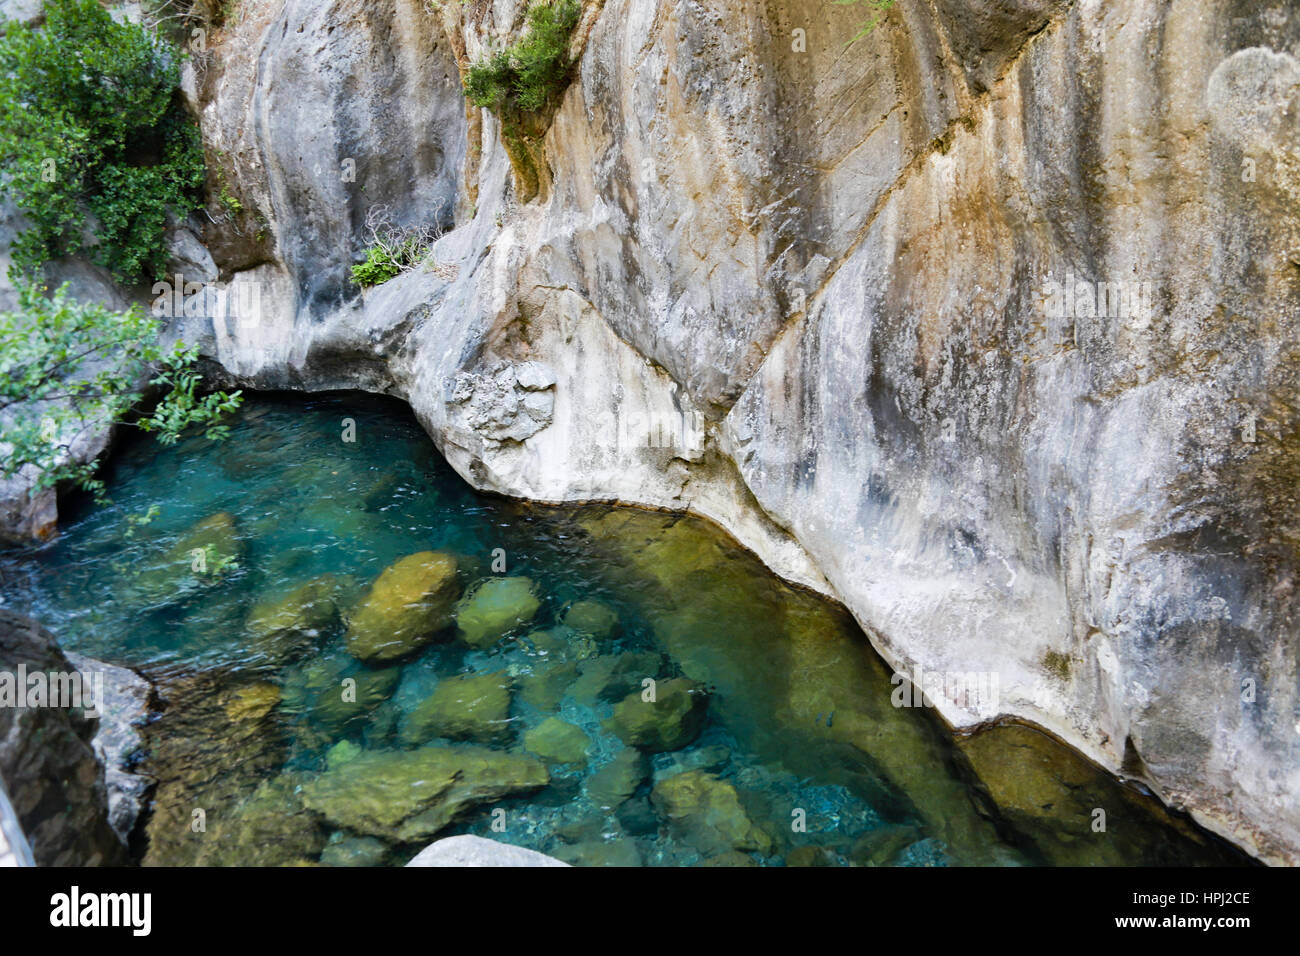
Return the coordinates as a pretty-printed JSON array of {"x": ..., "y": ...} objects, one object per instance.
[
  {"x": 392, "y": 249},
  {"x": 529, "y": 72}
]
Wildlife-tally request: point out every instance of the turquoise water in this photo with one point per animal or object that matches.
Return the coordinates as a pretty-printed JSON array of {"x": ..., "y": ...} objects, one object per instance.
[{"x": 795, "y": 755}]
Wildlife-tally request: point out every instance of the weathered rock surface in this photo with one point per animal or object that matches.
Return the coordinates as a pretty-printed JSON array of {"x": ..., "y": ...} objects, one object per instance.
[
  {"x": 47, "y": 764},
  {"x": 123, "y": 710},
  {"x": 806, "y": 292},
  {"x": 476, "y": 851}
]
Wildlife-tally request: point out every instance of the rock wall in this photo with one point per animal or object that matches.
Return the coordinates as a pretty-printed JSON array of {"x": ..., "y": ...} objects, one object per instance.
[
  {"x": 52, "y": 776},
  {"x": 983, "y": 324}
]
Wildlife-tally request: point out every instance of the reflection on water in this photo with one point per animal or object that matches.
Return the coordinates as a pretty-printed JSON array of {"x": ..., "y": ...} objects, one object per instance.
[{"x": 507, "y": 656}]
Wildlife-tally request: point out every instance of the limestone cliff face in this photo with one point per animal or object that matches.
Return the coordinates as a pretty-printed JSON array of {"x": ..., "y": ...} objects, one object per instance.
[{"x": 985, "y": 325}]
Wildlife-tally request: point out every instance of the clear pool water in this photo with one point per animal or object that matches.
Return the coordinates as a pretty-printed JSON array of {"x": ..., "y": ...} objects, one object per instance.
[{"x": 800, "y": 758}]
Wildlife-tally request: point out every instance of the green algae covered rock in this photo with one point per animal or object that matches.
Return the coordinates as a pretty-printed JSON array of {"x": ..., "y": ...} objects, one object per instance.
[
  {"x": 408, "y": 604},
  {"x": 286, "y": 626},
  {"x": 337, "y": 702},
  {"x": 671, "y": 721},
  {"x": 545, "y": 686},
  {"x": 593, "y": 618},
  {"x": 557, "y": 742},
  {"x": 611, "y": 677},
  {"x": 470, "y": 707},
  {"x": 355, "y": 851},
  {"x": 495, "y": 608},
  {"x": 270, "y": 828},
  {"x": 614, "y": 783},
  {"x": 409, "y": 795},
  {"x": 706, "y": 812}
]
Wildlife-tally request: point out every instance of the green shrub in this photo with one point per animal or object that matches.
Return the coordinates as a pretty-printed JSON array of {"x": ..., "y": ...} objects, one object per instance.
[
  {"x": 384, "y": 262},
  {"x": 68, "y": 367},
  {"x": 526, "y": 74},
  {"x": 92, "y": 130}
]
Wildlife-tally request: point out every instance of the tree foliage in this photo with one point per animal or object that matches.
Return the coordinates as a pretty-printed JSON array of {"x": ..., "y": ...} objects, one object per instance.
[
  {"x": 94, "y": 140},
  {"x": 68, "y": 367}
]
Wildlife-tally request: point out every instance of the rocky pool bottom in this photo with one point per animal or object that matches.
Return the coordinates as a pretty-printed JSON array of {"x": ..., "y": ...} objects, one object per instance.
[{"x": 354, "y": 654}]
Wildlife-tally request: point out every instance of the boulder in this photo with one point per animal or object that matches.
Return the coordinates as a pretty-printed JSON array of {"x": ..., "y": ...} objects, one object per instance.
[
  {"x": 558, "y": 742},
  {"x": 477, "y": 851},
  {"x": 123, "y": 709},
  {"x": 406, "y": 607},
  {"x": 671, "y": 721},
  {"x": 409, "y": 795},
  {"x": 48, "y": 765},
  {"x": 546, "y": 685},
  {"x": 611, "y": 677},
  {"x": 495, "y": 608},
  {"x": 469, "y": 707},
  {"x": 282, "y": 628},
  {"x": 615, "y": 782},
  {"x": 593, "y": 618},
  {"x": 706, "y": 812}
]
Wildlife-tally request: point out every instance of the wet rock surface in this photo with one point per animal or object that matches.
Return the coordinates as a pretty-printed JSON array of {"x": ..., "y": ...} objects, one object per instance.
[
  {"x": 411, "y": 795},
  {"x": 410, "y": 603}
]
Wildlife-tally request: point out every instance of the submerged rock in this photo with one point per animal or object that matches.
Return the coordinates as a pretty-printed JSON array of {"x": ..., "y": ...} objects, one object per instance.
[
  {"x": 253, "y": 702},
  {"x": 802, "y": 856},
  {"x": 601, "y": 853},
  {"x": 706, "y": 812},
  {"x": 495, "y": 608},
  {"x": 1055, "y": 797},
  {"x": 469, "y": 707},
  {"x": 407, "y": 606},
  {"x": 269, "y": 828},
  {"x": 711, "y": 758},
  {"x": 615, "y": 782},
  {"x": 558, "y": 742},
  {"x": 593, "y": 618},
  {"x": 611, "y": 677},
  {"x": 671, "y": 721},
  {"x": 408, "y": 795},
  {"x": 200, "y": 558},
  {"x": 211, "y": 750},
  {"x": 283, "y": 628},
  {"x": 880, "y": 847},
  {"x": 476, "y": 851},
  {"x": 546, "y": 685},
  {"x": 355, "y": 851},
  {"x": 346, "y": 702}
]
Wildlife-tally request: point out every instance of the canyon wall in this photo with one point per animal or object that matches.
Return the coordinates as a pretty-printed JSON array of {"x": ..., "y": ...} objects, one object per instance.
[{"x": 984, "y": 324}]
